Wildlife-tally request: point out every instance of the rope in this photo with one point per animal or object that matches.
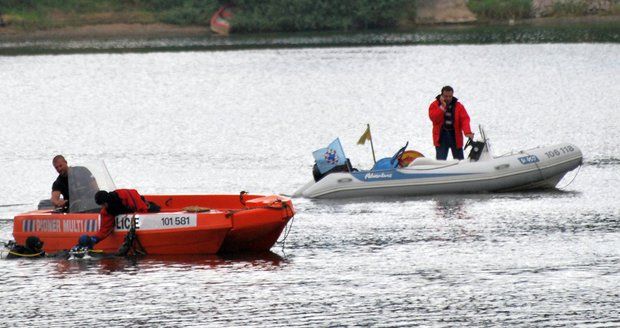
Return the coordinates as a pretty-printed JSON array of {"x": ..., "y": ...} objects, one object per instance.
[
  {"x": 282, "y": 206},
  {"x": 537, "y": 167},
  {"x": 287, "y": 231},
  {"x": 542, "y": 177},
  {"x": 140, "y": 250},
  {"x": 289, "y": 227},
  {"x": 196, "y": 209},
  {"x": 131, "y": 240},
  {"x": 25, "y": 255},
  {"x": 10, "y": 244},
  {"x": 135, "y": 241},
  {"x": 573, "y": 179}
]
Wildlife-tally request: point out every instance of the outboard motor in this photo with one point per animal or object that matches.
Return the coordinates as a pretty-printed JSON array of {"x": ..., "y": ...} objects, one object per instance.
[
  {"x": 476, "y": 149},
  {"x": 346, "y": 167},
  {"x": 45, "y": 204}
]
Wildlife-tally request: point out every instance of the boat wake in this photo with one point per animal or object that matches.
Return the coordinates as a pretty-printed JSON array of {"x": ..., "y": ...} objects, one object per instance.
[
  {"x": 603, "y": 161},
  {"x": 12, "y": 205}
]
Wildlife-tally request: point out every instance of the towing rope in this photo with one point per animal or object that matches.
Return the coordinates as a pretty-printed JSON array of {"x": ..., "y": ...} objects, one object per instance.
[
  {"x": 287, "y": 230},
  {"x": 140, "y": 249},
  {"x": 131, "y": 243},
  {"x": 573, "y": 179},
  {"x": 278, "y": 205},
  {"x": 542, "y": 177}
]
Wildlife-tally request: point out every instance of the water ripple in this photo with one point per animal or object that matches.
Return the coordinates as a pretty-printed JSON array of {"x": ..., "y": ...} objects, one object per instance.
[
  {"x": 221, "y": 122},
  {"x": 603, "y": 162}
]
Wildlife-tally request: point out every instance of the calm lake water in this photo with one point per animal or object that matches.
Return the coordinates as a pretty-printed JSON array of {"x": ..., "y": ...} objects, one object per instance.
[{"x": 222, "y": 122}]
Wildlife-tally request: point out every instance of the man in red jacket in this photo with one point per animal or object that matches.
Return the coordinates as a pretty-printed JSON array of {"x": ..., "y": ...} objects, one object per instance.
[
  {"x": 450, "y": 122},
  {"x": 120, "y": 201}
]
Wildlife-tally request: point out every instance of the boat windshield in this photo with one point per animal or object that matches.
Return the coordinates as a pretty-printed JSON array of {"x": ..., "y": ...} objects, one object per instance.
[{"x": 84, "y": 181}]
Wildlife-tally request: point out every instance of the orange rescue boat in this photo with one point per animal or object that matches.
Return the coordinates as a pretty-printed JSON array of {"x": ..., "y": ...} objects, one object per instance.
[{"x": 186, "y": 224}]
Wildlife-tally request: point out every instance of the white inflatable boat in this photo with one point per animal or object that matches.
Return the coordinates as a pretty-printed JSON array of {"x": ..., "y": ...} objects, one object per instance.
[{"x": 536, "y": 168}]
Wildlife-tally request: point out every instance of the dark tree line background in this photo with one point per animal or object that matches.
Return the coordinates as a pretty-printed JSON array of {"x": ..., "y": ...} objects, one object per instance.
[{"x": 250, "y": 15}]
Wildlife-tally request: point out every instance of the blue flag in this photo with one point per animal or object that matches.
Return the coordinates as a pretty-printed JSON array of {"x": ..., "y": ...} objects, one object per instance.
[{"x": 330, "y": 157}]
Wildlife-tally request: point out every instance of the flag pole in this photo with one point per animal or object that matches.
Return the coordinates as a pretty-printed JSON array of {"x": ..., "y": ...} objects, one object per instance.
[{"x": 371, "y": 145}]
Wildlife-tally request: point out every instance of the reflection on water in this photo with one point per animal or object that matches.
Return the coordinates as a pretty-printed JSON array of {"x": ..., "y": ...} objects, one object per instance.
[
  {"x": 262, "y": 261},
  {"x": 451, "y": 207}
]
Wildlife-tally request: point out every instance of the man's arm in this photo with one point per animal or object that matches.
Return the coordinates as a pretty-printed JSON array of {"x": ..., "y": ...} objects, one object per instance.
[
  {"x": 435, "y": 113},
  {"x": 106, "y": 227},
  {"x": 465, "y": 122},
  {"x": 56, "y": 199}
]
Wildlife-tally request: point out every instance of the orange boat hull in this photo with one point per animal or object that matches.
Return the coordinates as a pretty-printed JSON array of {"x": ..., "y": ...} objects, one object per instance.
[
  {"x": 250, "y": 223},
  {"x": 257, "y": 221},
  {"x": 254, "y": 231}
]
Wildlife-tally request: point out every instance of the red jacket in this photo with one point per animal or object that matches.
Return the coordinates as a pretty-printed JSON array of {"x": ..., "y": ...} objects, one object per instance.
[
  {"x": 461, "y": 122},
  {"x": 132, "y": 202}
]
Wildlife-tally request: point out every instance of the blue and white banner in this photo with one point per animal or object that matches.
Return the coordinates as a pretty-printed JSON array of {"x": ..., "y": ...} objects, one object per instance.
[{"x": 330, "y": 157}]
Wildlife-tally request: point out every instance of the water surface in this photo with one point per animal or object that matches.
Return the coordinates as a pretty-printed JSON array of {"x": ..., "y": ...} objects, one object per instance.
[{"x": 222, "y": 122}]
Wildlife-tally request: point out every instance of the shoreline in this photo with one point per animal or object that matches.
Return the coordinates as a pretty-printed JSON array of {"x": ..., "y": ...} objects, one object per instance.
[
  {"x": 103, "y": 31},
  {"x": 558, "y": 21},
  {"x": 160, "y": 30},
  {"x": 156, "y": 37}
]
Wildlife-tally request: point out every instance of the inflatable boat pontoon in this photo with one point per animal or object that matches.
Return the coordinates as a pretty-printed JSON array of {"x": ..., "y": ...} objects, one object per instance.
[{"x": 536, "y": 168}]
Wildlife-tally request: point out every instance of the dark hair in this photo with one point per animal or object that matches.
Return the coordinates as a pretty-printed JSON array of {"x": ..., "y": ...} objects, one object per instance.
[
  {"x": 101, "y": 197},
  {"x": 447, "y": 88},
  {"x": 58, "y": 157}
]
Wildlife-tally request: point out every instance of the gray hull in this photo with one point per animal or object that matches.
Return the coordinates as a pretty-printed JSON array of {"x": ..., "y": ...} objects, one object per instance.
[{"x": 537, "y": 168}]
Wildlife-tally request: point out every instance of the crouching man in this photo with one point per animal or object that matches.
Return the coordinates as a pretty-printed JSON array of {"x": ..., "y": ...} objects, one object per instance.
[{"x": 120, "y": 201}]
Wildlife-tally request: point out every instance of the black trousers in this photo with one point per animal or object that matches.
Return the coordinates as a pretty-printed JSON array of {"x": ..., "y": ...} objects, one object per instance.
[{"x": 447, "y": 141}]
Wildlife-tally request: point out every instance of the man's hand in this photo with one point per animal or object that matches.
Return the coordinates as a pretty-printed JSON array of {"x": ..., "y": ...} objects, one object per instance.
[
  {"x": 59, "y": 203},
  {"x": 442, "y": 101},
  {"x": 56, "y": 201},
  {"x": 470, "y": 135}
]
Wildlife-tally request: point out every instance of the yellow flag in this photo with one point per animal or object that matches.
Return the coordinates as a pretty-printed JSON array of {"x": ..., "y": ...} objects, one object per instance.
[{"x": 365, "y": 136}]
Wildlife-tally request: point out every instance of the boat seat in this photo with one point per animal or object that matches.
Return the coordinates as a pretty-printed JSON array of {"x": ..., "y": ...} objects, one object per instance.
[{"x": 430, "y": 161}]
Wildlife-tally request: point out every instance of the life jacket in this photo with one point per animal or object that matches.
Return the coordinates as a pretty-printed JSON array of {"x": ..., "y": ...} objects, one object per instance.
[{"x": 448, "y": 116}]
